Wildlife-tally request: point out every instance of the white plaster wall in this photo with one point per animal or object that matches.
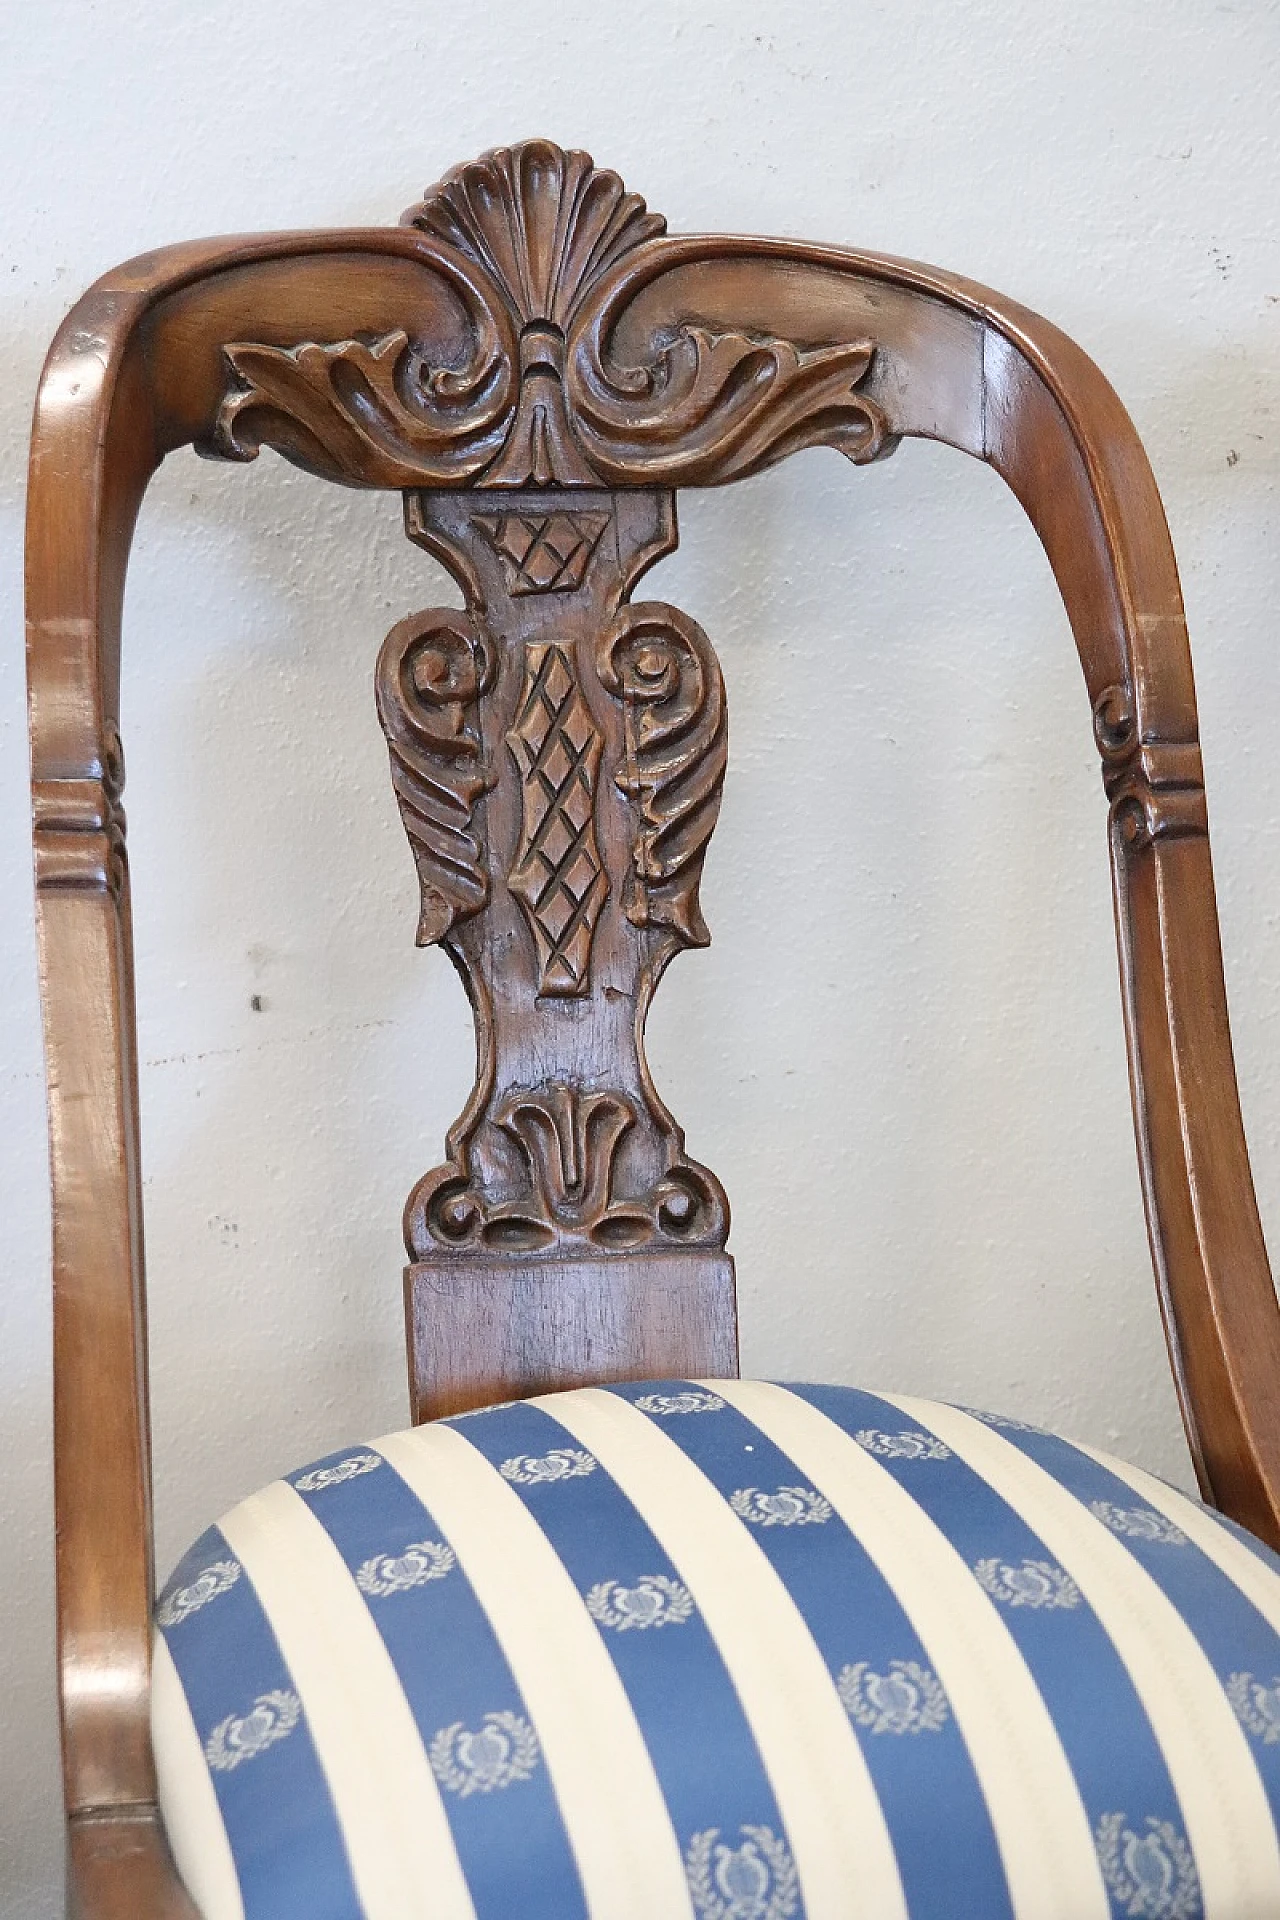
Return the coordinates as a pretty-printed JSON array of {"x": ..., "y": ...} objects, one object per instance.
[{"x": 903, "y": 1052}]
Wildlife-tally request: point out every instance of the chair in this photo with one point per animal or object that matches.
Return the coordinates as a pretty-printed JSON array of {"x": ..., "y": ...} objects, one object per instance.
[{"x": 610, "y": 1631}]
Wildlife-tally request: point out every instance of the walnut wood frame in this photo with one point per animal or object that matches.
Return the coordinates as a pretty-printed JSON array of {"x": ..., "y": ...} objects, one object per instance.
[{"x": 533, "y": 331}]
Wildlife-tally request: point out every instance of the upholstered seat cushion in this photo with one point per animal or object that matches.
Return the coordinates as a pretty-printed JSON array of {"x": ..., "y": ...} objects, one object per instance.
[{"x": 727, "y": 1650}]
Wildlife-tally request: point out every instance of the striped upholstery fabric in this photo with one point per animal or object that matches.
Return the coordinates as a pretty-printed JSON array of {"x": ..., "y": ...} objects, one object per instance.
[{"x": 722, "y": 1651}]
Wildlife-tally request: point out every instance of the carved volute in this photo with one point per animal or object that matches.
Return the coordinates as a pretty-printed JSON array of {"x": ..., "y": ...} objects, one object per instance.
[{"x": 557, "y": 751}]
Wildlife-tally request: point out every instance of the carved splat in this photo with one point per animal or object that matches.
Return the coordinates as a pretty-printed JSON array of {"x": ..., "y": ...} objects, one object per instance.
[
  {"x": 544, "y": 248},
  {"x": 557, "y": 755}
]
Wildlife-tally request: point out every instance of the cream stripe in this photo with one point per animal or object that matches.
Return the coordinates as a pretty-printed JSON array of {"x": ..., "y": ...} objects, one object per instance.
[
  {"x": 610, "y": 1800},
  {"x": 388, "y": 1805},
  {"x": 825, "y": 1794},
  {"x": 1224, "y": 1806},
  {"x": 188, "y": 1804},
  {"x": 1040, "y": 1823},
  {"x": 1256, "y": 1581}
]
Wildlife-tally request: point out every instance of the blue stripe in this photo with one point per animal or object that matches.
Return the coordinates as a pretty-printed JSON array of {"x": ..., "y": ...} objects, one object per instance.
[
  {"x": 855, "y": 1618},
  {"x": 280, "y": 1818},
  {"x": 1235, "y": 1637},
  {"x": 453, "y": 1670},
  {"x": 703, "y": 1751},
  {"x": 1104, "y": 1729}
]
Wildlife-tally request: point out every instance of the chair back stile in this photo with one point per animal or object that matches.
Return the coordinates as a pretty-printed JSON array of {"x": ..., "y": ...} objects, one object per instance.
[{"x": 537, "y": 367}]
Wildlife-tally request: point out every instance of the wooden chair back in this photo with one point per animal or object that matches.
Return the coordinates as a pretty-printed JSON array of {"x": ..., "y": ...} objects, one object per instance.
[{"x": 537, "y": 365}]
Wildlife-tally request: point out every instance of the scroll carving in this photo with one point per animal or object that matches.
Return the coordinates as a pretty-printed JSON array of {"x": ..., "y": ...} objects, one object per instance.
[
  {"x": 373, "y": 413},
  {"x": 711, "y": 408},
  {"x": 558, "y": 876},
  {"x": 661, "y": 666},
  {"x": 431, "y": 673},
  {"x": 1156, "y": 787},
  {"x": 543, "y": 246},
  {"x": 564, "y": 1144}
]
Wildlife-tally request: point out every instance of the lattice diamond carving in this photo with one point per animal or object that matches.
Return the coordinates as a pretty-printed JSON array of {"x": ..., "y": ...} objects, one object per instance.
[
  {"x": 558, "y": 876},
  {"x": 547, "y": 553}
]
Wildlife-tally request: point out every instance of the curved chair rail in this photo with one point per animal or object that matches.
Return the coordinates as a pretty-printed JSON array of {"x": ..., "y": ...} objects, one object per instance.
[{"x": 665, "y": 383}]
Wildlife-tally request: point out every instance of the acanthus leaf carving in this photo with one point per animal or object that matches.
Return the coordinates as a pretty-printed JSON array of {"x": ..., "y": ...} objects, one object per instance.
[
  {"x": 661, "y": 666},
  {"x": 714, "y": 407},
  {"x": 544, "y": 249},
  {"x": 431, "y": 672},
  {"x": 370, "y": 412}
]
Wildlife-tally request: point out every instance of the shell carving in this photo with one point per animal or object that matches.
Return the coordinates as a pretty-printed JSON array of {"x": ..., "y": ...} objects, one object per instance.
[
  {"x": 543, "y": 224},
  {"x": 540, "y": 250}
]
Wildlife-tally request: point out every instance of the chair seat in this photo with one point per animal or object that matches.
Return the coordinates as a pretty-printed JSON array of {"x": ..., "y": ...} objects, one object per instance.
[{"x": 722, "y": 1651}]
